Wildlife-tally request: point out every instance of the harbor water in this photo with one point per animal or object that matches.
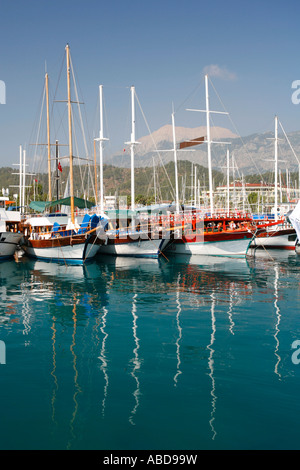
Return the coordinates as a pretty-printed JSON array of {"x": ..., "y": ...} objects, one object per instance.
[{"x": 123, "y": 353}]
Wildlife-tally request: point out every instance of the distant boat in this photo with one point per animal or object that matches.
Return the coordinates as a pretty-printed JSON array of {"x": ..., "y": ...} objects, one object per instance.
[
  {"x": 10, "y": 235},
  {"x": 277, "y": 234}
]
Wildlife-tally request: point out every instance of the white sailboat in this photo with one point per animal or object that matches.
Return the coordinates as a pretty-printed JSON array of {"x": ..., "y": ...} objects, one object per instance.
[
  {"x": 281, "y": 234},
  {"x": 125, "y": 236}
]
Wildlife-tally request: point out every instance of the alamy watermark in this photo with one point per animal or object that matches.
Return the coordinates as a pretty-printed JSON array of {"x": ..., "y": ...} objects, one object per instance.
[
  {"x": 2, "y": 353},
  {"x": 296, "y": 354},
  {"x": 152, "y": 225},
  {"x": 2, "y": 92}
]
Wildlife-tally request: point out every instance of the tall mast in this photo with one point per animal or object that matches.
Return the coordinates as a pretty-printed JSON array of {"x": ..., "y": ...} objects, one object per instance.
[
  {"x": 154, "y": 179},
  {"x": 101, "y": 139},
  {"x": 132, "y": 144},
  {"x": 209, "y": 141},
  {"x": 192, "y": 182},
  {"x": 57, "y": 177},
  {"x": 101, "y": 147},
  {"x": 244, "y": 192},
  {"x": 95, "y": 171},
  {"x": 70, "y": 134},
  {"x": 233, "y": 180},
  {"x": 21, "y": 180},
  {"x": 209, "y": 146},
  {"x": 175, "y": 163},
  {"x": 195, "y": 186},
  {"x": 228, "y": 188},
  {"x": 276, "y": 168},
  {"x": 48, "y": 138},
  {"x": 276, "y": 139},
  {"x": 132, "y": 148},
  {"x": 280, "y": 187}
]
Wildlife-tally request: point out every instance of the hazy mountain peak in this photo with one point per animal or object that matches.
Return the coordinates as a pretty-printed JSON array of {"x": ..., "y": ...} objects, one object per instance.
[{"x": 165, "y": 134}]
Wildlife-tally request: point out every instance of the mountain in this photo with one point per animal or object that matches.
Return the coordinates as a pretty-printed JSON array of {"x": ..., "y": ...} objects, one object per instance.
[
  {"x": 252, "y": 154},
  {"x": 253, "y": 158},
  {"x": 165, "y": 134}
]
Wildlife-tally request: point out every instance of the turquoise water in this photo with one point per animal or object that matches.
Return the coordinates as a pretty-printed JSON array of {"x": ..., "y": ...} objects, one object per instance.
[{"x": 145, "y": 354}]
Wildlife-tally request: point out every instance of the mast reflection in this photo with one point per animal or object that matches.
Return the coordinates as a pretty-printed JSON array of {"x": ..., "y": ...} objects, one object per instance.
[
  {"x": 211, "y": 366},
  {"x": 135, "y": 360},
  {"x": 53, "y": 371},
  {"x": 278, "y": 316},
  {"x": 76, "y": 384},
  {"x": 103, "y": 358},
  {"x": 231, "y": 294},
  {"x": 178, "y": 306}
]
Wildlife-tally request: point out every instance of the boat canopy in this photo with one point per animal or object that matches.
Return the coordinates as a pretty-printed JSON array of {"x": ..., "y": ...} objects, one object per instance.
[
  {"x": 9, "y": 216},
  {"x": 41, "y": 206},
  {"x": 39, "y": 222}
]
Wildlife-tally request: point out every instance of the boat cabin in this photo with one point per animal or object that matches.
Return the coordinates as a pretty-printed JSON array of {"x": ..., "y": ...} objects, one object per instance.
[
  {"x": 44, "y": 228},
  {"x": 10, "y": 220}
]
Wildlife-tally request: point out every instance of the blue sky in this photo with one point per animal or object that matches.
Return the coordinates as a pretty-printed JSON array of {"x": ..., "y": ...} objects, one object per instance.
[{"x": 162, "y": 48}]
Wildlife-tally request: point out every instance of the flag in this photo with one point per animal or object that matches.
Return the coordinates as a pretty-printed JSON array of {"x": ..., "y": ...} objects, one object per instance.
[
  {"x": 59, "y": 167},
  {"x": 191, "y": 142}
]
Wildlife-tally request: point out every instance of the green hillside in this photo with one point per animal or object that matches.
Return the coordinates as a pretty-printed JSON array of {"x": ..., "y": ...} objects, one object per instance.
[{"x": 117, "y": 181}]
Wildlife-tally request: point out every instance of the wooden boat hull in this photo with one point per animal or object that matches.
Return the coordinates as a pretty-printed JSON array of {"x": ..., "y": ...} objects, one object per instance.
[
  {"x": 8, "y": 244},
  {"x": 71, "y": 250},
  {"x": 231, "y": 244}
]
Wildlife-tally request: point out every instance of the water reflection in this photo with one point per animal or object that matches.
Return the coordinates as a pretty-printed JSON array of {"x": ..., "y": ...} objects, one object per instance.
[
  {"x": 26, "y": 312},
  {"x": 278, "y": 317},
  {"x": 276, "y": 273},
  {"x": 178, "y": 323},
  {"x": 178, "y": 371},
  {"x": 11, "y": 282},
  {"x": 211, "y": 366},
  {"x": 77, "y": 388},
  {"x": 102, "y": 357},
  {"x": 135, "y": 360},
  {"x": 230, "y": 316}
]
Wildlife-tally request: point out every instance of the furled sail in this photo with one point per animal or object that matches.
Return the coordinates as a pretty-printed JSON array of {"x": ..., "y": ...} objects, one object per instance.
[{"x": 190, "y": 143}]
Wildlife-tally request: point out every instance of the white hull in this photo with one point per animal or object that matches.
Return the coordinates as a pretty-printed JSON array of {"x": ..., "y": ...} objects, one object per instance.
[
  {"x": 281, "y": 239},
  {"x": 136, "y": 248},
  {"x": 274, "y": 242},
  {"x": 8, "y": 244},
  {"x": 231, "y": 248},
  {"x": 75, "y": 254}
]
